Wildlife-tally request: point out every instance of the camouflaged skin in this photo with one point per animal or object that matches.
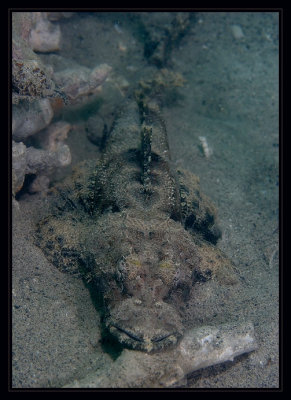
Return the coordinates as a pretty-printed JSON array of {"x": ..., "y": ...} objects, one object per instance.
[{"x": 142, "y": 234}]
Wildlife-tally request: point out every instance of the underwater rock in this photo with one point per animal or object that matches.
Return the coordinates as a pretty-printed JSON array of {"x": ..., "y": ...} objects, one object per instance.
[
  {"x": 30, "y": 118},
  {"x": 141, "y": 233},
  {"x": 199, "y": 348},
  {"x": 44, "y": 160},
  {"x": 40, "y": 184},
  {"x": 80, "y": 81},
  {"x": 54, "y": 135},
  {"x": 31, "y": 79},
  {"x": 28, "y": 160},
  {"x": 44, "y": 37},
  {"x": 18, "y": 166},
  {"x": 95, "y": 127}
]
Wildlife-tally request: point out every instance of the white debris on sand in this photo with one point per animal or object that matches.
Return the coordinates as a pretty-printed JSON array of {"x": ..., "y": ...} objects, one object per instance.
[
  {"x": 237, "y": 32},
  {"x": 207, "y": 151},
  {"x": 200, "y": 348}
]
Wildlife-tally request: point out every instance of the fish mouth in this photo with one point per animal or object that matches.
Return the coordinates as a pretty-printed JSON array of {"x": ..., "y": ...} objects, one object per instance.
[
  {"x": 144, "y": 327},
  {"x": 128, "y": 333},
  {"x": 128, "y": 336}
]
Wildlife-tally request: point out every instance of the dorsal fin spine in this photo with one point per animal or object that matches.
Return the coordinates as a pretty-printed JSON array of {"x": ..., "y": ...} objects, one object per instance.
[{"x": 146, "y": 133}]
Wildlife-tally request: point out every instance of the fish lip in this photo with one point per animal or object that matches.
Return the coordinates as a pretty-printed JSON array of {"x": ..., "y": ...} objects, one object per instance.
[
  {"x": 133, "y": 336},
  {"x": 128, "y": 333},
  {"x": 161, "y": 338}
]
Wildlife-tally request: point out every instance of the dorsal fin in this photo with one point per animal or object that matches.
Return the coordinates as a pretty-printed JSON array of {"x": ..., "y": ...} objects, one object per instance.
[{"x": 146, "y": 148}]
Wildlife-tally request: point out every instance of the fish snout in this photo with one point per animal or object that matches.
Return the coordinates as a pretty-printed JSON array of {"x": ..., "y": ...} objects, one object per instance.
[{"x": 140, "y": 326}]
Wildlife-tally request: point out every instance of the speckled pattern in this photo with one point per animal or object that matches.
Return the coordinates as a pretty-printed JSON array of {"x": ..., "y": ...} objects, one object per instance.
[{"x": 142, "y": 234}]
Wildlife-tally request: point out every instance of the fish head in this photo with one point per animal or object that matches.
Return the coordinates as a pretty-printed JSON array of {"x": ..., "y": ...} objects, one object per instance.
[{"x": 144, "y": 317}]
